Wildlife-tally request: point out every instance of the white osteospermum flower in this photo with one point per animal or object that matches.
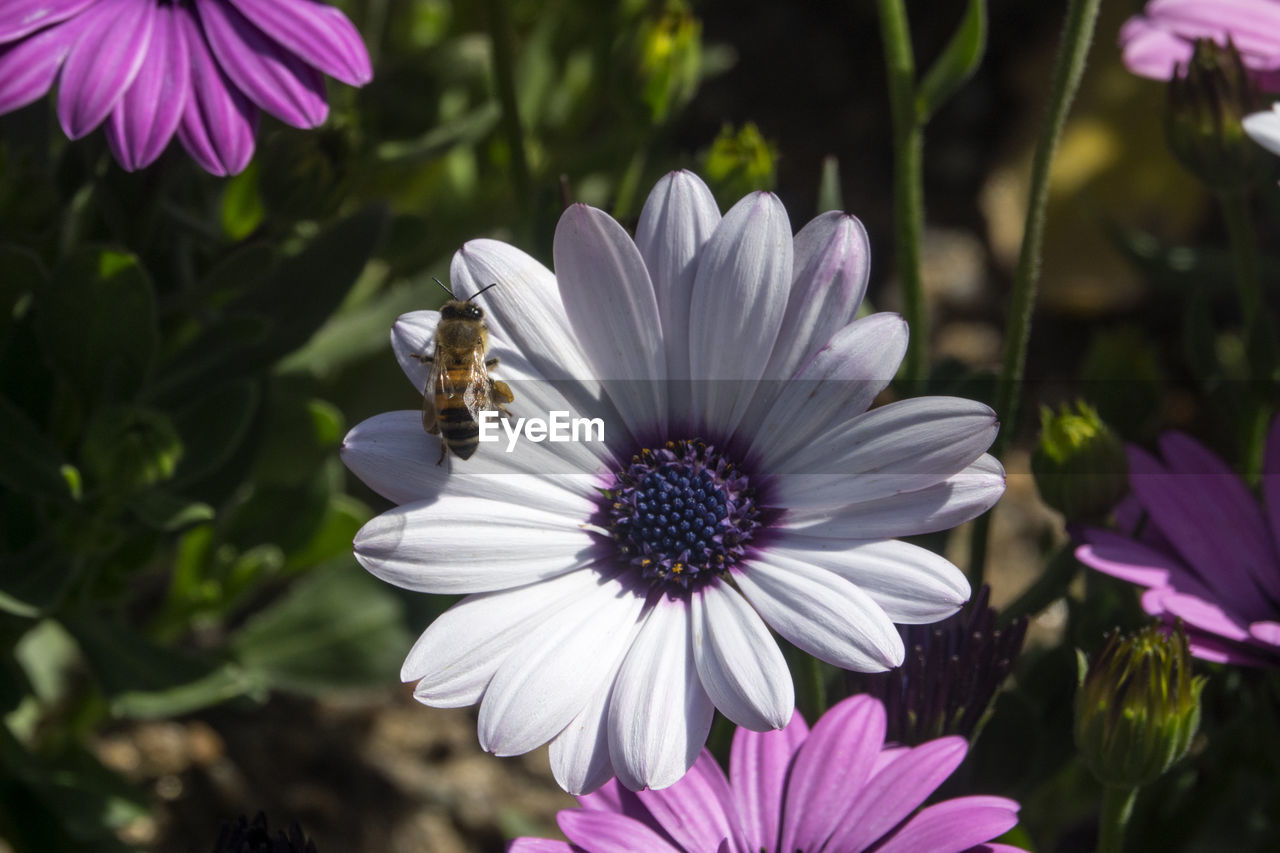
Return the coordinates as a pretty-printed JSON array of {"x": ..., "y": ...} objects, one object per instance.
[
  {"x": 1264, "y": 128},
  {"x": 621, "y": 591}
]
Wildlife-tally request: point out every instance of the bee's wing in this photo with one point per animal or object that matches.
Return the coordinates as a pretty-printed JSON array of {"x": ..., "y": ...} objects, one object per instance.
[
  {"x": 478, "y": 394},
  {"x": 434, "y": 380}
]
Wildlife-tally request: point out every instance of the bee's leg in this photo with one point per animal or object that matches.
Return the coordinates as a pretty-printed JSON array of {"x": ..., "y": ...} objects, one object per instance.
[
  {"x": 491, "y": 363},
  {"x": 443, "y": 451},
  {"x": 502, "y": 394},
  {"x": 425, "y": 359}
]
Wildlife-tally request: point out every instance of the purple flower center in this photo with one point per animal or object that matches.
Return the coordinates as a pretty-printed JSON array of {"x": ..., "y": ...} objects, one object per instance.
[{"x": 681, "y": 514}]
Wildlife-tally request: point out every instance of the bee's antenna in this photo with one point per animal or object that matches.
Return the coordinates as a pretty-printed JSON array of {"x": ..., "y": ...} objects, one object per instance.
[
  {"x": 443, "y": 286},
  {"x": 481, "y": 290}
]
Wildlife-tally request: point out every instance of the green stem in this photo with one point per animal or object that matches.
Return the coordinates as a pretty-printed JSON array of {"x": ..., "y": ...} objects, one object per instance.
[
  {"x": 908, "y": 181},
  {"x": 1244, "y": 256},
  {"x": 1077, "y": 35},
  {"x": 1117, "y": 806},
  {"x": 504, "y": 71},
  {"x": 813, "y": 685}
]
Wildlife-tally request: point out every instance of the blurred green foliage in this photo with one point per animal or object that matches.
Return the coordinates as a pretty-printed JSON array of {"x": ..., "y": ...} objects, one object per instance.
[{"x": 175, "y": 526}]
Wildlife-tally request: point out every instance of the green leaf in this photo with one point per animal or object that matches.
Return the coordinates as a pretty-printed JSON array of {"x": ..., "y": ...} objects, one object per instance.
[
  {"x": 342, "y": 520},
  {"x": 29, "y": 463},
  {"x": 337, "y": 627},
  {"x": 281, "y": 313},
  {"x": 242, "y": 209},
  {"x": 354, "y": 334},
  {"x": 97, "y": 318},
  {"x": 214, "y": 426},
  {"x": 160, "y": 510},
  {"x": 957, "y": 62},
  {"x": 143, "y": 679}
]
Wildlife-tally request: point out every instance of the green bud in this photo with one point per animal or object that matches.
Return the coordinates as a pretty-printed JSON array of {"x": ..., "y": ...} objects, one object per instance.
[
  {"x": 740, "y": 162},
  {"x": 1079, "y": 464},
  {"x": 668, "y": 57},
  {"x": 128, "y": 449},
  {"x": 1137, "y": 706},
  {"x": 1208, "y": 100}
]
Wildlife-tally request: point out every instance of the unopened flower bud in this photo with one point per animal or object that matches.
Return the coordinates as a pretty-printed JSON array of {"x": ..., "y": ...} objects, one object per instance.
[
  {"x": 1137, "y": 706},
  {"x": 740, "y": 162},
  {"x": 952, "y": 672},
  {"x": 668, "y": 57},
  {"x": 1079, "y": 463},
  {"x": 1208, "y": 100}
]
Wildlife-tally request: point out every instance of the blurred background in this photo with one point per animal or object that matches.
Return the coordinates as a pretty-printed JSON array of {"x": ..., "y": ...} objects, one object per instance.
[{"x": 186, "y": 636}]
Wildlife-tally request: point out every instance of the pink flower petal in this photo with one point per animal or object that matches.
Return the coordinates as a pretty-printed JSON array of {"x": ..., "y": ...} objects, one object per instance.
[
  {"x": 1266, "y": 632},
  {"x": 1271, "y": 482},
  {"x": 891, "y": 795},
  {"x": 148, "y": 115},
  {"x": 758, "y": 765},
  {"x": 954, "y": 825},
  {"x": 697, "y": 812},
  {"x": 271, "y": 77},
  {"x": 29, "y": 67},
  {"x": 318, "y": 33},
  {"x": 103, "y": 62},
  {"x": 603, "y": 832},
  {"x": 1123, "y": 558},
  {"x": 23, "y": 17},
  {"x": 1227, "y": 506},
  {"x": 218, "y": 122},
  {"x": 829, "y": 769},
  {"x": 1177, "y": 505}
]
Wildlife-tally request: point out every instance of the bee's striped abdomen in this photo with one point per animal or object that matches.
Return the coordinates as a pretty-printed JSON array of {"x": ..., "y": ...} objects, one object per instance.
[{"x": 458, "y": 428}]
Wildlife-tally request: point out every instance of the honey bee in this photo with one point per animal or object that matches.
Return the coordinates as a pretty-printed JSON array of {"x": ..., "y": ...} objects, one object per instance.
[{"x": 460, "y": 387}]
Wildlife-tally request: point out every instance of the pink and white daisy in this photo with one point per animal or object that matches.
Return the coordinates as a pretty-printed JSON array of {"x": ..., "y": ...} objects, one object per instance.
[
  {"x": 620, "y": 591},
  {"x": 1207, "y": 553},
  {"x": 201, "y": 70},
  {"x": 1160, "y": 40},
  {"x": 837, "y": 788}
]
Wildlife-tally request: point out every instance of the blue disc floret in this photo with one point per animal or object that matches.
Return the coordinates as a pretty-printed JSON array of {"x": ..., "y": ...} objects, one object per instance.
[{"x": 681, "y": 514}]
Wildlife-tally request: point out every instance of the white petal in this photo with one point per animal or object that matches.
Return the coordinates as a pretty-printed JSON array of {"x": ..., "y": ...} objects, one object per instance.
[
  {"x": 678, "y": 219},
  {"x": 456, "y": 657},
  {"x": 821, "y": 613},
  {"x": 613, "y": 312},
  {"x": 832, "y": 263},
  {"x": 579, "y": 755},
  {"x": 912, "y": 585},
  {"x": 902, "y": 447},
  {"x": 837, "y": 384},
  {"x": 462, "y": 544},
  {"x": 1264, "y": 128},
  {"x": 395, "y": 457},
  {"x": 739, "y": 298},
  {"x": 741, "y": 667},
  {"x": 953, "y": 501},
  {"x": 659, "y": 715},
  {"x": 546, "y": 681},
  {"x": 524, "y": 309},
  {"x": 535, "y": 395}
]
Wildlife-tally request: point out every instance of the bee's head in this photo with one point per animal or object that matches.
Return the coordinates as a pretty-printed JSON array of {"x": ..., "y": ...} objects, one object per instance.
[{"x": 461, "y": 311}]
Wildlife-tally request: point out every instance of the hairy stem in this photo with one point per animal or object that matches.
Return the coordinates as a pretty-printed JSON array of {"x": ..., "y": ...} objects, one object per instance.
[{"x": 1077, "y": 36}]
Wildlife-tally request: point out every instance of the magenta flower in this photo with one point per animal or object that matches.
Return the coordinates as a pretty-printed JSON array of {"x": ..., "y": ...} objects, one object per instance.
[
  {"x": 1207, "y": 554},
  {"x": 1160, "y": 40},
  {"x": 837, "y": 788},
  {"x": 201, "y": 69}
]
